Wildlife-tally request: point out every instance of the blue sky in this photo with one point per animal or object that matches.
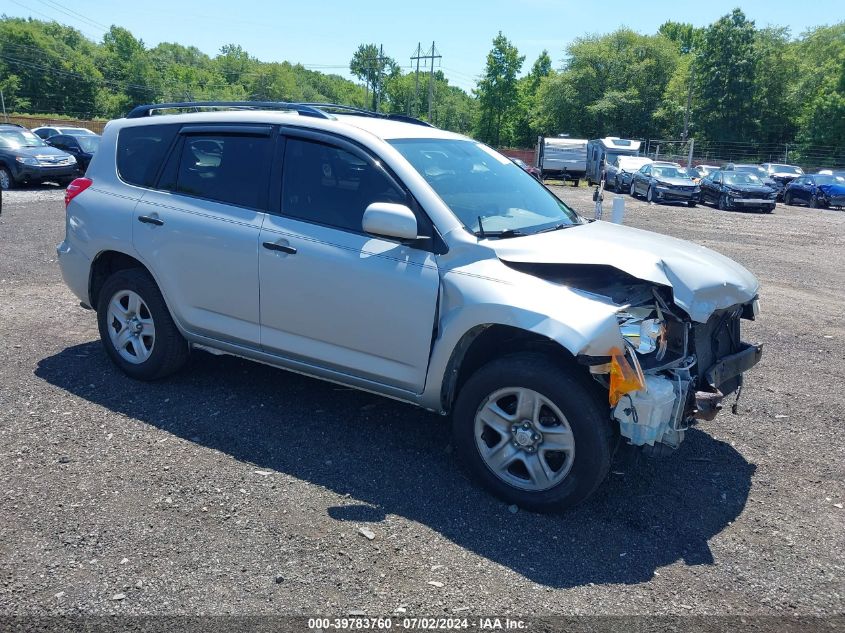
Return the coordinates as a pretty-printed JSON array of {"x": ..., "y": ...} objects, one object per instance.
[{"x": 323, "y": 35}]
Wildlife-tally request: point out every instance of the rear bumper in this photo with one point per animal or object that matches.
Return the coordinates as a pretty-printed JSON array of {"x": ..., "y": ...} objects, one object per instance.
[{"x": 75, "y": 268}]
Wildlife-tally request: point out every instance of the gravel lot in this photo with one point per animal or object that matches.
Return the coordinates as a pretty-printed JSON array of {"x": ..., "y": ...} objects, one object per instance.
[{"x": 237, "y": 488}]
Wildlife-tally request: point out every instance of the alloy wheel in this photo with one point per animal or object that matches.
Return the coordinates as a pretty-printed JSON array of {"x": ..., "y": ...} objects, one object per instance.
[
  {"x": 130, "y": 326},
  {"x": 524, "y": 439}
]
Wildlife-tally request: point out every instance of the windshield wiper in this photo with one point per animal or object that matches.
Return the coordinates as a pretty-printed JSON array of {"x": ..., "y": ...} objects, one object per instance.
[
  {"x": 500, "y": 234},
  {"x": 556, "y": 227}
]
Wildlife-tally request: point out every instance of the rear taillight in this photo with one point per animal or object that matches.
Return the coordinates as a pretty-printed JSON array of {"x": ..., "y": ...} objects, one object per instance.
[{"x": 76, "y": 187}]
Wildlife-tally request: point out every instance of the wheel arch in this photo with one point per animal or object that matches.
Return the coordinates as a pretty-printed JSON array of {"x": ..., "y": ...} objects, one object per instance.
[
  {"x": 485, "y": 343},
  {"x": 105, "y": 264}
]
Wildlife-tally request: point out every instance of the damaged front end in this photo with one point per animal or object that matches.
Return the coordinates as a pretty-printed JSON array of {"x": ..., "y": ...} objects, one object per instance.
[{"x": 671, "y": 369}]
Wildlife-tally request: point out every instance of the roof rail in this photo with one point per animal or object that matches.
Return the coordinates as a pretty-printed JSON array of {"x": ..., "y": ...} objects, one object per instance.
[
  {"x": 344, "y": 109},
  {"x": 301, "y": 108}
]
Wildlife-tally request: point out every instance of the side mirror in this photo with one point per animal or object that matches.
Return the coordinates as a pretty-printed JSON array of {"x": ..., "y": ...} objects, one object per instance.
[{"x": 385, "y": 219}]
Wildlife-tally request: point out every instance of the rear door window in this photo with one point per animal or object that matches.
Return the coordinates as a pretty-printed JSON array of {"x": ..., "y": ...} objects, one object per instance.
[
  {"x": 140, "y": 151},
  {"x": 229, "y": 168}
]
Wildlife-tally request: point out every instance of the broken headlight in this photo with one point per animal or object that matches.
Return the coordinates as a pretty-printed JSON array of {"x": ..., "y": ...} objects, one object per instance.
[{"x": 646, "y": 334}]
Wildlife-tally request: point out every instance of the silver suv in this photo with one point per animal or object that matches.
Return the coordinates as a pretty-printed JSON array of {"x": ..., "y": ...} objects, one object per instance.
[{"x": 382, "y": 253}]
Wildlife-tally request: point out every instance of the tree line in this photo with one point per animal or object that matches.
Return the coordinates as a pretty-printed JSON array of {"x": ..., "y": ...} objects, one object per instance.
[{"x": 726, "y": 82}]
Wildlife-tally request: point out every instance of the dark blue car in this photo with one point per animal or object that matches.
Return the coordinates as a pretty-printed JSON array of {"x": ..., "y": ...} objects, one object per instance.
[{"x": 816, "y": 190}]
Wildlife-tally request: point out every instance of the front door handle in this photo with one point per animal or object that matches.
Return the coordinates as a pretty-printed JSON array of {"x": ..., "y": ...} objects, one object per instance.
[
  {"x": 284, "y": 248},
  {"x": 146, "y": 219}
]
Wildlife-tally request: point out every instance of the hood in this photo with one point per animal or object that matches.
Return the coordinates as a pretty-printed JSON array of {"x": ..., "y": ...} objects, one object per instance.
[
  {"x": 42, "y": 151},
  {"x": 701, "y": 280},
  {"x": 833, "y": 190},
  {"x": 750, "y": 188},
  {"x": 676, "y": 182}
]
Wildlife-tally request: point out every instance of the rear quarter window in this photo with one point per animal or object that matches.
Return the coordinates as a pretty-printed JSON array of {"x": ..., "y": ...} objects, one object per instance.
[{"x": 141, "y": 150}]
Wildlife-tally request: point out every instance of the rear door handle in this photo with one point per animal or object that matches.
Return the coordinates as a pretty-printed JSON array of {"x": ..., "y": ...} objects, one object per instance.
[
  {"x": 146, "y": 219},
  {"x": 284, "y": 248}
]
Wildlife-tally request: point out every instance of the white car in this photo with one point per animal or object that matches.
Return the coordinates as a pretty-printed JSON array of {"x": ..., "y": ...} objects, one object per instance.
[
  {"x": 382, "y": 253},
  {"x": 49, "y": 131}
]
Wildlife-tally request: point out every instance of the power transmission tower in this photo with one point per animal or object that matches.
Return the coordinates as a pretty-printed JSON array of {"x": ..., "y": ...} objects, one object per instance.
[
  {"x": 413, "y": 111},
  {"x": 430, "y": 55},
  {"x": 380, "y": 70}
]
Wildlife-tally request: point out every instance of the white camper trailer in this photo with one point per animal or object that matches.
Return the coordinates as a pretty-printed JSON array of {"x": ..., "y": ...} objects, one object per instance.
[
  {"x": 607, "y": 149},
  {"x": 562, "y": 157}
]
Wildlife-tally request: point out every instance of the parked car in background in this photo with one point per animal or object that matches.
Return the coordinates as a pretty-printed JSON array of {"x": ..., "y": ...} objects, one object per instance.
[
  {"x": 619, "y": 172},
  {"x": 528, "y": 168},
  {"x": 411, "y": 262},
  {"x": 757, "y": 170},
  {"x": 782, "y": 174},
  {"x": 816, "y": 190},
  {"x": 82, "y": 146},
  {"x": 47, "y": 131},
  {"x": 664, "y": 183},
  {"x": 730, "y": 190},
  {"x": 25, "y": 158}
]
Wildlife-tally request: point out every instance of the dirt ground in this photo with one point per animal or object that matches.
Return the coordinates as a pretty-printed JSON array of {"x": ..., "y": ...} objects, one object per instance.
[{"x": 237, "y": 488}]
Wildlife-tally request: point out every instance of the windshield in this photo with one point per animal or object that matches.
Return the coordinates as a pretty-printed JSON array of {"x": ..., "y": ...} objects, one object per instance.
[
  {"x": 75, "y": 131},
  {"x": 669, "y": 172},
  {"x": 88, "y": 144},
  {"x": 20, "y": 138},
  {"x": 477, "y": 182},
  {"x": 785, "y": 169},
  {"x": 741, "y": 178}
]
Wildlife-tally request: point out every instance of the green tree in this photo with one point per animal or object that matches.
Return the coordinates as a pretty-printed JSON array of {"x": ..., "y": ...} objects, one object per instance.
[
  {"x": 821, "y": 88},
  {"x": 523, "y": 132},
  {"x": 497, "y": 94},
  {"x": 611, "y": 84},
  {"x": 373, "y": 68},
  {"x": 725, "y": 73}
]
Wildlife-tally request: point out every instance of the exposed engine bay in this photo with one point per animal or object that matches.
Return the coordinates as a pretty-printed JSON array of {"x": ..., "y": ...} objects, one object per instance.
[
  {"x": 673, "y": 371},
  {"x": 685, "y": 368}
]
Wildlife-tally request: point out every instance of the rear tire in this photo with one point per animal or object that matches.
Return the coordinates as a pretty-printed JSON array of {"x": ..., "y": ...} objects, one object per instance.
[
  {"x": 136, "y": 327},
  {"x": 545, "y": 456},
  {"x": 692, "y": 203}
]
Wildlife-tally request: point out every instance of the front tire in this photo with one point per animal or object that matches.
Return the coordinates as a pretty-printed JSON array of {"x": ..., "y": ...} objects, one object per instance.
[
  {"x": 649, "y": 196},
  {"x": 723, "y": 203},
  {"x": 6, "y": 180},
  {"x": 533, "y": 433},
  {"x": 787, "y": 199},
  {"x": 136, "y": 327},
  {"x": 633, "y": 191}
]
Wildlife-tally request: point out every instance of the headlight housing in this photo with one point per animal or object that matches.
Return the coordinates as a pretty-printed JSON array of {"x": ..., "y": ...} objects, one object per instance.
[
  {"x": 645, "y": 335},
  {"x": 27, "y": 160}
]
